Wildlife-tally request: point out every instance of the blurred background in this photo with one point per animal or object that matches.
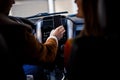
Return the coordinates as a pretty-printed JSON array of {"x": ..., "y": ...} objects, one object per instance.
[{"x": 25, "y": 8}]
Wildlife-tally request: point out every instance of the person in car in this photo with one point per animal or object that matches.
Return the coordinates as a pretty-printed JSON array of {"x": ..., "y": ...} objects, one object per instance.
[
  {"x": 93, "y": 53},
  {"x": 22, "y": 46},
  {"x": 91, "y": 27}
]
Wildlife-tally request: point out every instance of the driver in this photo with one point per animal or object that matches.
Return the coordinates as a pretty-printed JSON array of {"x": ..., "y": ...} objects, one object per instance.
[{"x": 22, "y": 46}]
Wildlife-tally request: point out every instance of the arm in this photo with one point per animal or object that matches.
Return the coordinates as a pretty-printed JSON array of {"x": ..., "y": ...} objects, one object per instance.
[{"x": 43, "y": 52}]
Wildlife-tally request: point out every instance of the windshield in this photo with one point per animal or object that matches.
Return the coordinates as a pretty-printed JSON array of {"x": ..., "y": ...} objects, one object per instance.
[{"x": 26, "y": 8}]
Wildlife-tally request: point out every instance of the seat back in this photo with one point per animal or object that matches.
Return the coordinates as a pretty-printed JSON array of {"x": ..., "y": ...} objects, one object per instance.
[
  {"x": 11, "y": 51},
  {"x": 3, "y": 57}
]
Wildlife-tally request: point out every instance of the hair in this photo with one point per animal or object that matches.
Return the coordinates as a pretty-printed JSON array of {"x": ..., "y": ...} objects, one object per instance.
[
  {"x": 5, "y": 6},
  {"x": 90, "y": 11},
  {"x": 3, "y": 3}
]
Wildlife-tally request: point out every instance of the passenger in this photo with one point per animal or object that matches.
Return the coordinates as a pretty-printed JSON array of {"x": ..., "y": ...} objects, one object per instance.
[
  {"x": 89, "y": 55},
  {"x": 22, "y": 46},
  {"x": 91, "y": 27}
]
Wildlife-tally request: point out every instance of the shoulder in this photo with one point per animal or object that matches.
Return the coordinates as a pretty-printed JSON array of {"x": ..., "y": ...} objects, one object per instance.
[{"x": 8, "y": 21}]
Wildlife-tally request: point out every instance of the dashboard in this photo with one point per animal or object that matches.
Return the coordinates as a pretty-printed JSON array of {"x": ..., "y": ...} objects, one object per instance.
[{"x": 43, "y": 29}]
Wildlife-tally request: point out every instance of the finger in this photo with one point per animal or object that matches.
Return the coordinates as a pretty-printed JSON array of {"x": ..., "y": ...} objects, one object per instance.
[
  {"x": 62, "y": 30},
  {"x": 59, "y": 27}
]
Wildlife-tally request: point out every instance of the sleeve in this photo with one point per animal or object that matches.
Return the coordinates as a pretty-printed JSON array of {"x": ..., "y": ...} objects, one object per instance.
[
  {"x": 73, "y": 65},
  {"x": 67, "y": 51},
  {"x": 41, "y": 52}
]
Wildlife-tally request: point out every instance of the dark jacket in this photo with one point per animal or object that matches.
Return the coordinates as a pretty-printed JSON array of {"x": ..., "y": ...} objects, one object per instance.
[{"x": 93, "y": 58}]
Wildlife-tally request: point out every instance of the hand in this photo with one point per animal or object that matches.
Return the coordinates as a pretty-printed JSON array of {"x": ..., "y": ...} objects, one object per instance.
[{"x": 58, "y": 32}]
